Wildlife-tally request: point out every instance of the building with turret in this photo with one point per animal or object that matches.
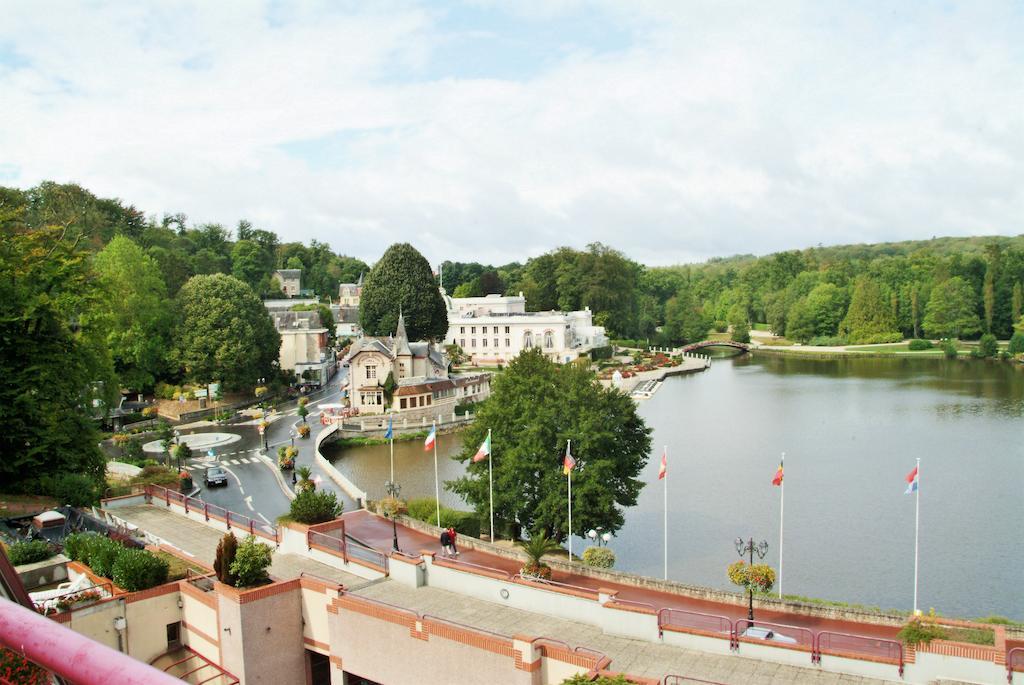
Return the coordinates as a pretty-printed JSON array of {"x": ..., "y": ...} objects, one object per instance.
[{"x": 421, "y": 384}]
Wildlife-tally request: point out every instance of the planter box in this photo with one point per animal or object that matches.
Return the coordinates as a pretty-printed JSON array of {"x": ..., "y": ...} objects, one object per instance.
[{"x": 52, "y": 570}]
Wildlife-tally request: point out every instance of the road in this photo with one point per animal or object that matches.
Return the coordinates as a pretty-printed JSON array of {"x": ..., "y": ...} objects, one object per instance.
[{"x": 253, "y": 489}]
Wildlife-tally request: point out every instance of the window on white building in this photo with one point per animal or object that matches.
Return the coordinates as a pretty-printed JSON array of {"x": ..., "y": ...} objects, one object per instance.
[
  {"x": 549, "y": 339},
  {"x": 462, "y": 343},
  {"x": 483, "y": 343},
  {"x": 472, "y": 329},
  {"x": 472, "y": 343},
  {"x": 495, "y": 342},
  {"x": 508, "y": 342},
  {"x": 462, "y": 329},
  {"x": 371, "y": 372},
  {"x": 506, "y": 330},
  {"x": 527, "y": 340}
]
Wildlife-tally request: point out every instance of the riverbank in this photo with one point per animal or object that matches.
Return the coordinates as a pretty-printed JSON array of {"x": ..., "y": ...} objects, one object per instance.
[{"x": 643, "y": 384}]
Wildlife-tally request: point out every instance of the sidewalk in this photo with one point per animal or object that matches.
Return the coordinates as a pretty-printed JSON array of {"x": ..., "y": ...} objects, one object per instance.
[{"x": 376, "y": 531}]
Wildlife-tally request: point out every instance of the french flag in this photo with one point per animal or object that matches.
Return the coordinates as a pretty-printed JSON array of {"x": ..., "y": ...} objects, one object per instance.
[
  {"x": 911, "y": 482},
  {"x": 428, "y": 444}
]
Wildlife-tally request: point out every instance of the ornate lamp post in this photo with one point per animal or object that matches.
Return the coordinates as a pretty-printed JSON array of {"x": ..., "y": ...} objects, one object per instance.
[
  {"x": 596, "y": 536},
  {"x": 744, "y": 547},
  {"x": 291, "y": 434},
  {"x": 263, "y": 410},
  {"x": 393, "y": 489}
]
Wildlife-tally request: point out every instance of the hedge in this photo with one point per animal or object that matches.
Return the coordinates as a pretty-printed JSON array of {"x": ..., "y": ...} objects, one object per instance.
[
  {"x": 137, "y": 569},
  {"x": 464, "y": 522},
  {"x": 30, "y": 552}
]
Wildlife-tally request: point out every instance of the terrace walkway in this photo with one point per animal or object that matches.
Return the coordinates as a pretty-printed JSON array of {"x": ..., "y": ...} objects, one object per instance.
[
  {"x": 636, "y": 657},
  {"x": 376, "y": 532},
  {"x": 200, "y": 541}
]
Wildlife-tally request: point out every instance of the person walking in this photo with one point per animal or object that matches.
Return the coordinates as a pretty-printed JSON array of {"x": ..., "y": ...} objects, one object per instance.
[
  {"x": 452, "y": 535},
  {"x": 446, "y": 544}
]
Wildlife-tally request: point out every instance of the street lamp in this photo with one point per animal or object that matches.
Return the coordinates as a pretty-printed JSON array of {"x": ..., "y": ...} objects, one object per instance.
[
  {"x": 291, "y": 434},
  {"x": 393, "y": 489},
  {"x": 177, "y": 448},
  {"x": 598, "y": 537},
  {"x": 263, "y": 410},
  {"x": 744, "y": 547}
]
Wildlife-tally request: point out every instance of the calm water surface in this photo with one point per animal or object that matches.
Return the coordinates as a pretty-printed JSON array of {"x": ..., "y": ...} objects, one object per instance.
[{"x": 851, "y": 430}]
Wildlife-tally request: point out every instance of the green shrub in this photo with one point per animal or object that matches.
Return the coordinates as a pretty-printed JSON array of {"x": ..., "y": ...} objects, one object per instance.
[
  {"x": 988, "y": 347},
  {"x": 464, "y": 522},
  {"x": 100, "y": 554},
  {"x": 422, "y": 509},
  {"x": 75, "y": 490},
  {"x": 919, "y": 345},
  {"x": 137, "y": 569},
  {"x": 827, "y": 341},
  {"x": 1017, "y": 343},
  {"x": 251, "y": 562},
  {"x": 878, "y": 338},
  {"x": 76, "y": 544},
  {"x": 599, "y": 353},
  {"x": 741, "y": 333},
  {"x": 29, "y": 552},
  {"x": 600, "y": 557},
  {"x": 949, "y": 349},
  {"x": 585, "y": 679},
  {"x": 315, "y": 506},
  {"x": 917, "y": 632},
  {"x": 720, "y": 326}
]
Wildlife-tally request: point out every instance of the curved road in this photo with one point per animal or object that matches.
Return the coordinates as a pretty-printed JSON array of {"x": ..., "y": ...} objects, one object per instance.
[{"x": 253, "y": 488}]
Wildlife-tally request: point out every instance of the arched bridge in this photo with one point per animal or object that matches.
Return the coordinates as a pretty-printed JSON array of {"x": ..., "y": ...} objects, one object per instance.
[{"x": 717, "y": 343}]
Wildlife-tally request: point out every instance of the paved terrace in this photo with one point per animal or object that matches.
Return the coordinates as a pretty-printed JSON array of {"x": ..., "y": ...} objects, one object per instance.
[
  {"x": 376, "y": 532},
  {"x": 635, "y": 657},
  {"x": 200, "y": 541}
]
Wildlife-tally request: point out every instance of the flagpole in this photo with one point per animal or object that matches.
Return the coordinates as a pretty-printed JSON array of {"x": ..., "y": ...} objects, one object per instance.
[
  {"x": 391, "y": 442},
  {"x": 782, "y": 519},
  {"x": 917, "y": 525},
  {"x": 569, "y": 476},
  {"x": 437, "y": 483},
  {"x": 490, "y": 478},
  {"x": 665, "y": 518}
]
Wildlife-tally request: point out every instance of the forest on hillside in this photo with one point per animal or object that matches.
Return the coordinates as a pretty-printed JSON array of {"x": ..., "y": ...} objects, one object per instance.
[{"x": 944, "y": 287}]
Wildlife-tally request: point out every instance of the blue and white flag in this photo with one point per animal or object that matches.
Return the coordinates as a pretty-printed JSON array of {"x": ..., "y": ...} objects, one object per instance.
[{"x": 390, "y": 433}]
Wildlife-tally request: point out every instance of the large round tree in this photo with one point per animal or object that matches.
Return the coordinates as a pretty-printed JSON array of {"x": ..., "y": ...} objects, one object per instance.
[
  {"x": 535, "y": 407},
  {"x": 224, "y": 332},
  {"x": 402, "y": 278}
]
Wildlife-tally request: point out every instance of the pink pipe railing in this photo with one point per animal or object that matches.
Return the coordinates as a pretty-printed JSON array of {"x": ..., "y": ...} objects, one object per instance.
[{"x": 69, "y": 654}]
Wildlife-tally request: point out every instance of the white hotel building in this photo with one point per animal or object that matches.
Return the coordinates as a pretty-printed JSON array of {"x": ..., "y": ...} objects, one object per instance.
[{"x": 496, "y": 328}]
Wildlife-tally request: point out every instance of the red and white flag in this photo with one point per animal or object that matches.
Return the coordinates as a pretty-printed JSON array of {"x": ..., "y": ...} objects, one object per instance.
[{"x": 664, "y": 465}]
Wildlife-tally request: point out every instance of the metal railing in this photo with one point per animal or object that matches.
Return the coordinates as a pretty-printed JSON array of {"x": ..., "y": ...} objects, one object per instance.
[
  {"x": 328, "y": 542},
  {"x": 696, "y": 620},
  {"x": 195, "y": 505},
  {"x": 804, "y": 637},
  {"x": 367, "y": 555},
  {"x": 1014, "y": 662},
  {"x": 458, "y": 562},
  {"x": 844, "y": 643},
  {"x": 519, "y": 577}
]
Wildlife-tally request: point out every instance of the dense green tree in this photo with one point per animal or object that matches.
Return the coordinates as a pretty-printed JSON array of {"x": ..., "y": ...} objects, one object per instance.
[
  {"x": 137, "y": 312},
  {"x": 951, "y": 311},
  {"x": 685, "y": 321},
  {"x": 402, "y": 279},
  {"x": 869, "y": 318},
  {"x": 535, "y": 407},
  {"x": 224, "y": 333},
  {"x": 989, "y": 297},
  {"x": 1016, "y": 304},
  {"x": 818, "y": 314},
  {"x": 249, "y": 263},
  {"x": 53, "y": 355}
]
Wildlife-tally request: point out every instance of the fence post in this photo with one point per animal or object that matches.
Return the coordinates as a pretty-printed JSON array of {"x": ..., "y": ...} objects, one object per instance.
[
  {"x": 251, "y": 531},
  {"x": 186, "y": 505},
  {"x": 206, "y": 510},
  {"x": 309, "y": 541},
  {"x": 167, "y": 497},
  {"x": 227, "y": 518}
]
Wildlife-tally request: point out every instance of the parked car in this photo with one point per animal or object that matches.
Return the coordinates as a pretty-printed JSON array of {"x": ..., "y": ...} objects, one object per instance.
[
  {"x": 768, "y": 635},
  {"x": 215, "y": 475}
]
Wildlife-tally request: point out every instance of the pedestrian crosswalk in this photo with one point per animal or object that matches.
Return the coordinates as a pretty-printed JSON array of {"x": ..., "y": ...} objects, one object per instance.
[{"x": 201, "y": 464}]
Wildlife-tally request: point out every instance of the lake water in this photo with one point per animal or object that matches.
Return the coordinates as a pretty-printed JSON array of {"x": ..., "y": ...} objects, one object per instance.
[{"x": 851, "y": 430}]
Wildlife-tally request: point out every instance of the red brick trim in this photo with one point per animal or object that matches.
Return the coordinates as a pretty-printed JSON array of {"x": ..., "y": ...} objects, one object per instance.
[
  {"x": 373, "y": 610},
  {"x": 628, "y": 607},
  {"x": 588, "y": 661},
  {"x": 860, "y": 656},
  {"x": 540, "y": 585},
  {"x": 317, "y": 585},
  {"x": 315, "y": 643},
  {"x": 95, "y": 579},
  {"x": 61, "y": 617},
  {"x": 209, "y": 638},
  {"x": 394, "y": 556},
  {"x": 255, "y": 594},
  {"x": 695, "y": 631},
  {"x": 336, "y": 660},
  {"x": 475, "y": 571},
  {"x": 472, "y": 638},
  {"x": 962, "y": 650},
  {"x": 158, "y": 591},
  {"x": 206, "y": 598}
]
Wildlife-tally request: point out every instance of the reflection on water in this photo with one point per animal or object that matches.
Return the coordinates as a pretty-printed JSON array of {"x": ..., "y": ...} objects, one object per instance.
[
  {"x": 369, "y": 467},
  {"x": 851, "y": 429}
]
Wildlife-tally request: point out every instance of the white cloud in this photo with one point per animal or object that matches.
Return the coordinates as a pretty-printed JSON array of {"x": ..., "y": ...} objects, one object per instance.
[{"x": 720, "y": 128}]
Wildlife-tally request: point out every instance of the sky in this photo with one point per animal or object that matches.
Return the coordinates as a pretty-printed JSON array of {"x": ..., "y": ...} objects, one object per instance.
[{"x": 672, "y": 130}]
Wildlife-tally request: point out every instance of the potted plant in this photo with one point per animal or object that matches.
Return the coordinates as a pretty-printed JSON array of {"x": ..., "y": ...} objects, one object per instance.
[
  {"x": 306, "y": 482},
  {"x": 286, "y": 457},
  {"x": 535, "y": 548},
  {"x": 185, "y": 482},
  {"x": 304, "y": 431}
]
